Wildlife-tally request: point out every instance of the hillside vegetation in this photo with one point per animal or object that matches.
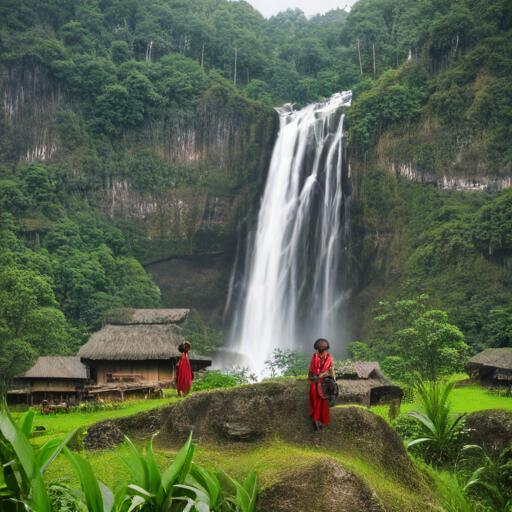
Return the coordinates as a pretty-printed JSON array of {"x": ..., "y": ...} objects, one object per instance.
[{"x": 125, "y": 137}]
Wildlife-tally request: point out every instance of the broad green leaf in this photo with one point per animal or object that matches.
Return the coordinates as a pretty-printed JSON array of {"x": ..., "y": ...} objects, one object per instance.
[
  {"x": 18, "y": 441},
  {"x": 107, "y": 495},
  {"x": 421, "y": 440},
  {"x": 25, "y": 423},
  {"x": 90, "y": 486},
  {"x": 49, "y": 451},
  {"x": 137, "y": 501},
  {"x": 136, "y": 465},
  {"x": 172, "y": 472}
]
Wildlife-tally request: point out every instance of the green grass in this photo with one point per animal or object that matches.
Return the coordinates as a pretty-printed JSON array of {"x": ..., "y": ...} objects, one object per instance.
[
  {"x": 270, "y": 461},
  {"x": 468, "y": 400},
  {"x": 62, "y": 424}
]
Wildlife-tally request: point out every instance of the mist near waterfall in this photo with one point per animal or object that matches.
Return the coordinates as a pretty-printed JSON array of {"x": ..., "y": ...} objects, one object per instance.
[{"x": 292, "y": 290}]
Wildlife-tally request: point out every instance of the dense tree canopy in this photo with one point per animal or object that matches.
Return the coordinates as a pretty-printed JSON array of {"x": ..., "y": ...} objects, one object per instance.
[{"x": 432, "y": 84}]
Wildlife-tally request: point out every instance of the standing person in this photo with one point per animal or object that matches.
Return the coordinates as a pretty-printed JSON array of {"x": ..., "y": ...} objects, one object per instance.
[
  {"x": 184, "y": 375},
  {"x": 321, "y": 366}
]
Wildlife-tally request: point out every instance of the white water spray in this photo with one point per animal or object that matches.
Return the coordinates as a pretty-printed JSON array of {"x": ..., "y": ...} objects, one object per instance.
[{"x": 293, "y": 279}]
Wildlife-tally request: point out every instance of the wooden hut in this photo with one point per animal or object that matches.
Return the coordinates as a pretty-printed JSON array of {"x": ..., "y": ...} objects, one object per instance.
[
  {"x": 138, "y": 347},
  {"x": 363, "y": 382},
  {"x": 493, "y": 367},
  {"x": 56, "y": 379}
]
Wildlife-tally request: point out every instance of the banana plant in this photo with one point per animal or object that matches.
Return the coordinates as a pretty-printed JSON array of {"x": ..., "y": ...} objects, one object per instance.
[
  {"x": 220, "y": 488},
  {"x": 245, "y": 500},
  {"x": 164, "y": 492},
  {"x": 22, "y": 485}
]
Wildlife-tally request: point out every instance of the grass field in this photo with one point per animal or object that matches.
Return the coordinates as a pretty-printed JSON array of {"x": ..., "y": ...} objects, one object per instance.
[
  {"x": 62, "y": 424},
  {"x": 468, "y": 399},
  {"x": 269, "y": 460}
]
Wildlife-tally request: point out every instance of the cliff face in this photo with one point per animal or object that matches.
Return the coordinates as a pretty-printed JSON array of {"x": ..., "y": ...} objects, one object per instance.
[
  {"x": 30, "y": 102},
  {"x": 214, "y": 157}
]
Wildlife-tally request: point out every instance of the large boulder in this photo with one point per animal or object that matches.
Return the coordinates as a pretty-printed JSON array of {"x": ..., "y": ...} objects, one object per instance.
[
  {"x": 491, "y": 427},
  {"x": 104, "y": 435},
  {"x": 325, "y": 485},
  {"x": 251, "y": 414}
]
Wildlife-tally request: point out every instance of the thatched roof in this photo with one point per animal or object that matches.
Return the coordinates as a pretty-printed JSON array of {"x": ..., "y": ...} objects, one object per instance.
[
  {"x": 127, "y": 316},
  {"x": 361, "y": 387},
  {"x": 361, "y": 370},
  {"x": 492, "y": 357},
  {"x": 56, "y": 368},
  {"x": 133, "y": 343}
]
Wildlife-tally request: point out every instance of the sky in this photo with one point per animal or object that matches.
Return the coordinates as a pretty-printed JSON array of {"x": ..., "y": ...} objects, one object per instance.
[{"x": 270, "y": 7}]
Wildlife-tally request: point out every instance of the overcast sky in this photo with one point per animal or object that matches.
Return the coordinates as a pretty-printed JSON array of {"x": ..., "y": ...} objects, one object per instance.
[{"x": 270, "y": 7}]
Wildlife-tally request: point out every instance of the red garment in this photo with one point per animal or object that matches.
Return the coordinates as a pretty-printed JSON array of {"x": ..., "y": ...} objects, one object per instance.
[
  {"x": 185, "y": 375},
  {"x": 318, "y": 406}
]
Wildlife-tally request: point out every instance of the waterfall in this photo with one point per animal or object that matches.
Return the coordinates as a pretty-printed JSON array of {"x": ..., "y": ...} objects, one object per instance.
[{"x": 292, "y": 286}]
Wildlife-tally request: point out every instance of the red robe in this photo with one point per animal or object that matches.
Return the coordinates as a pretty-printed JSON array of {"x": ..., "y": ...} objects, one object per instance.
[
  {"x": 319, "y": 407},
  {"x": 185, "y": 375}
]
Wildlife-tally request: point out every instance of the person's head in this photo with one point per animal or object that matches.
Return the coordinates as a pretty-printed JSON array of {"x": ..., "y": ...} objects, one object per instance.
[
  {"x": 321, "y": 345},
  {"x": 184, "y": 348}
]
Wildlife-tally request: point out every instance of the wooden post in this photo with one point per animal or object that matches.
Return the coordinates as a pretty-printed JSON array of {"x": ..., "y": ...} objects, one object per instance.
[
  {"x": 359, "y": 53},
  {"x": 236, "y": 54}
]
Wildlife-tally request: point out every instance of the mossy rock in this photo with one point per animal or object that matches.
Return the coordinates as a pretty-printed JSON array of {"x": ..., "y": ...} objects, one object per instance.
[
  {"x": 325, "y": 485},
  {"x": 491, "y": 427},
  {"x": 104, "y": 435},
  {"x": 256, "y": 413}
]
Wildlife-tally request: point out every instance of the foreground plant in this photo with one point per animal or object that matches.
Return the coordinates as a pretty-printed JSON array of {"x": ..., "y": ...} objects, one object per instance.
[
  {"x": 183, "y": 487},
  {"x": 22, "y": 485},
  {"x": 492, "y": 480},
  {"x": 440, "y": 425}
]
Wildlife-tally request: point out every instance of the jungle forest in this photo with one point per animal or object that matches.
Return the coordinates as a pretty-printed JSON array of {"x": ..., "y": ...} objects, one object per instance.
[{"x": 268, "y": 181}]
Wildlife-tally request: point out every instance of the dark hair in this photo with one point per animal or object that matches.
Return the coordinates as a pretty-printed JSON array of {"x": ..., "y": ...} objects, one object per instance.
[
  {"x": 183, "y": 347},
  {"x": 321, "y": 345}
]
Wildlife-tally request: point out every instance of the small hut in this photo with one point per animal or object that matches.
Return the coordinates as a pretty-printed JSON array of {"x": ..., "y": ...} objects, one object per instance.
[
  {"x": 493, "y": 367},
  {"x": 56, "y": 379},
  {"x": 138, "y": 347},
  {"x": 363, "y": 382}
]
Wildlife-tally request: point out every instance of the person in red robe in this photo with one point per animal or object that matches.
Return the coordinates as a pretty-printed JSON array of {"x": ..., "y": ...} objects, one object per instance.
[
  {"x": 321, "y": 366},
  {"x": 184, "y": 375}
]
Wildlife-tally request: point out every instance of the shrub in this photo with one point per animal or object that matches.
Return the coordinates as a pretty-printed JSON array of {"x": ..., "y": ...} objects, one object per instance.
[
  {"x": 213, "y": 379},
  {"x": 440, "y": 430}
]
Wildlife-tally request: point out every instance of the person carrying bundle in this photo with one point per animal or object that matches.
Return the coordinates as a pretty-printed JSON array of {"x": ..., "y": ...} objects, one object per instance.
[{"x": 321, "y": 368}]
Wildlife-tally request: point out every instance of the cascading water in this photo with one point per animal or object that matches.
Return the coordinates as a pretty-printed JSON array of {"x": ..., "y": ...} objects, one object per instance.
[{"x": 294, "y": 272}]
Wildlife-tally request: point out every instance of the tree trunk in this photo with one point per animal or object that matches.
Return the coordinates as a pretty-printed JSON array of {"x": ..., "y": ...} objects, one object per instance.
[
  {"x": 236, "y": 55},
  {"x": 373, "y": 47},
  {"x": 359, "y": 53}
]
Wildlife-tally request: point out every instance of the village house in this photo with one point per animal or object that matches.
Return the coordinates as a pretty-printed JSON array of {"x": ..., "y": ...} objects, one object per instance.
[
  {"x": 136, "y": 351},
  {"x": 55, "y": 379},
  {"x": 492, "y": 367},
  {"x": 363, "y": 382}
]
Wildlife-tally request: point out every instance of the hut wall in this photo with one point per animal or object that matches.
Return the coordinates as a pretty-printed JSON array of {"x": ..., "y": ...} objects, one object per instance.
[
  {"x": 55, "y": 385},
  {"x": 151, "y": 371}
]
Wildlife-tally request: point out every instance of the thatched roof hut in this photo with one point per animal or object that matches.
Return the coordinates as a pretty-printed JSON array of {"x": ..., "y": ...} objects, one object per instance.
[
  {"x": 133, "y": 343},
  {"x": 365, "y": 383},
  {"x": 360, "y": 370},
  {"x": 493, "y": 366},
  {"x": 56, "y": 368},
  {"x": 137, "y": 335},
  {"x": 51, "y": 378},
  {"x": 139, "y": 344}
]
